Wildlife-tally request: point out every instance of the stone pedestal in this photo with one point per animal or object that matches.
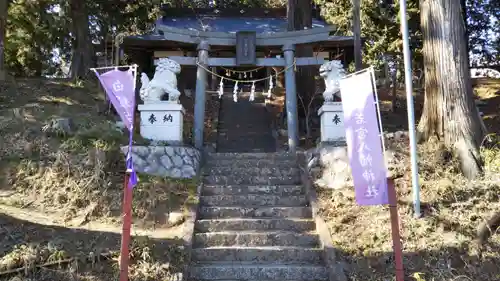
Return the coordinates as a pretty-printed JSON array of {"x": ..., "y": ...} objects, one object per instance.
[
  {"x": 332, "y": 122},
  {"x": 162, "y": 121}
]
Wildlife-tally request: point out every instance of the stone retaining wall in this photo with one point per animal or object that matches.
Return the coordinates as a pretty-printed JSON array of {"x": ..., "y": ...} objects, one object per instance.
[{"x": 166, "y": 161}]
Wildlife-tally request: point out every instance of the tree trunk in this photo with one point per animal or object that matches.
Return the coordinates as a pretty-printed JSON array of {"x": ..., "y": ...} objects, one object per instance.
[
  {"x": 3, "y": 25},
  {"x": 431, "y": 121},
  {"x": 83, "y": 55},
  {"x": 356, "y": 31},
  {"x": 449, "y": 108},
  {"x": 299, "y": 15}
]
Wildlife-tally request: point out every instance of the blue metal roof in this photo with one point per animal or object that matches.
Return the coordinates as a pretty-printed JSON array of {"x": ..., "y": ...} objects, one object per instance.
[{"x": 232, "y": 25}]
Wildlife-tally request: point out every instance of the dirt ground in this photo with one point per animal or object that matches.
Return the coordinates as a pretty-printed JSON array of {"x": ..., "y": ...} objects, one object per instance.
[{"x": 44, "y": 252}]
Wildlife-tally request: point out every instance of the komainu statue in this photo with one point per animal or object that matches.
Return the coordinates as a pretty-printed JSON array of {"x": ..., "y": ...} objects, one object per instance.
[
  {"x": 332, "y": 72},
  {"x": 164, "y": 82}
]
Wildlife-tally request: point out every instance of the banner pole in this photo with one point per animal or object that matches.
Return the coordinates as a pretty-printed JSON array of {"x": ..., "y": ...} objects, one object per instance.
[
  {"x": 410, "y": 109},
  {"x": 396, "y": 237},
  {"x": 127, "y": 222},
  {"x": 127, "y": 206}
]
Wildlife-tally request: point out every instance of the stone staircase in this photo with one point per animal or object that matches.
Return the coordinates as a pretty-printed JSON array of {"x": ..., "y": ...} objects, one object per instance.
[
  {"x": 244, "y": 126},
  {"x": 254, "y": 221}
]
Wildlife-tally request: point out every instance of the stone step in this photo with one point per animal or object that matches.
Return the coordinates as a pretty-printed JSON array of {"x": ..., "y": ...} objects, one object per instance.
[
  {"x": 258, "y": 272},
  {"x": 254, "y": 200},
  {"x": 231, "y": 126},
  {"x": 255, "y": 171},
  {"x": 258, "y": 254},
  {"x": 230, "y": 129},
  {"x": 252, "y": 180},
  {"x": 257, "y": 163},
  {"x": 233, "y": 148},
  {"x": 243, "y": 133},
  {"x": 260, "y": 224},
  {"x": 255, "y": 212},
  {"x": 236, "y": 156},
  {"x": 252, "y": 189},
  {"x": 252, "y": 239},
  {"x": 247, "y": 145}
]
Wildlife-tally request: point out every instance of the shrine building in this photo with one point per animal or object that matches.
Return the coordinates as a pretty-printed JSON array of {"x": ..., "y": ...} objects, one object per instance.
[{"x": 256, "y": 40}]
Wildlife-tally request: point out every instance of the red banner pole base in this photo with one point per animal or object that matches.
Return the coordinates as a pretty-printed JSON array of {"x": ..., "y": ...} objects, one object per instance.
[
  {"x": 127, "y": 222},
  {"x": 396, "y": 238}
]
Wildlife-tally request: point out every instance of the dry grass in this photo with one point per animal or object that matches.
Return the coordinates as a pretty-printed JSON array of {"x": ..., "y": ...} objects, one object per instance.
[
  {"x": 439, "y": 246},
  {"x": 76, "y": 177},
  {"x": 81, "y": 172}
]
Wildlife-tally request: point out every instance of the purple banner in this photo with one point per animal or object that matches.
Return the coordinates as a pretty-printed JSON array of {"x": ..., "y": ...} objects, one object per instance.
[
  {"x": 120, "y": 89},
  {"x": 366, "y": 155},
  {"x": 119, "y": 86}
]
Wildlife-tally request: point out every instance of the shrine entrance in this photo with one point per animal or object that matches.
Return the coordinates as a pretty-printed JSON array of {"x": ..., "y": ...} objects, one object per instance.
[{"x": 225, "y": 45}]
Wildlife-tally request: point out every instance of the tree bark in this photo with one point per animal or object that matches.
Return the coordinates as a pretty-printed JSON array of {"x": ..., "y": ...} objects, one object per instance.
[
  {"x": 83, "y": 55},
  {"x": 356, "y": 31},
  {"x": 463, "y": 5},
  {"x": 449, "y": 109},
  {"x": 431, "y": 121},
  {"x": 3, "y": 25}
]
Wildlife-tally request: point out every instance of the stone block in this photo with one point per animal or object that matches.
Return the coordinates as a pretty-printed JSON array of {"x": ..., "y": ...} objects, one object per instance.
[
  {"x": 162, "y": 121},
  {"x": 332, "y": 122}
]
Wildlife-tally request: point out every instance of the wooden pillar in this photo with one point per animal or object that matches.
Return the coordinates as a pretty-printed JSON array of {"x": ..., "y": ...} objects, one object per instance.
[
  {"x": 199, "y": 106},
  {"x": 291, "y": 98},
  {"x": 356, "y": 30}
]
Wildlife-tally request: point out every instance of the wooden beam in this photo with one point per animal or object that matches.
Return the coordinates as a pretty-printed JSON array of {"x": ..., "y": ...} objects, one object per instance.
[
  {"x": 231, "y": 62},
  {"x": 221, "y": 12},
  {"x": 229, "y": 39}
]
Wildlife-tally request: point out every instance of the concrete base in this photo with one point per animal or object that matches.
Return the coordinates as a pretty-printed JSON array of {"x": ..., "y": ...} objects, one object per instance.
[
  {"x": 332, "y": 122},
  {"x": 162, "y": 121}
]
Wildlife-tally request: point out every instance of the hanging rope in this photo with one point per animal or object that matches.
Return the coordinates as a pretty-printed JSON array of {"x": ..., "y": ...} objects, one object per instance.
[
  {"x": 241, "y": 80},
  {"x": 253, "y": 81},
  {"x": 229, "y": 71}
]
